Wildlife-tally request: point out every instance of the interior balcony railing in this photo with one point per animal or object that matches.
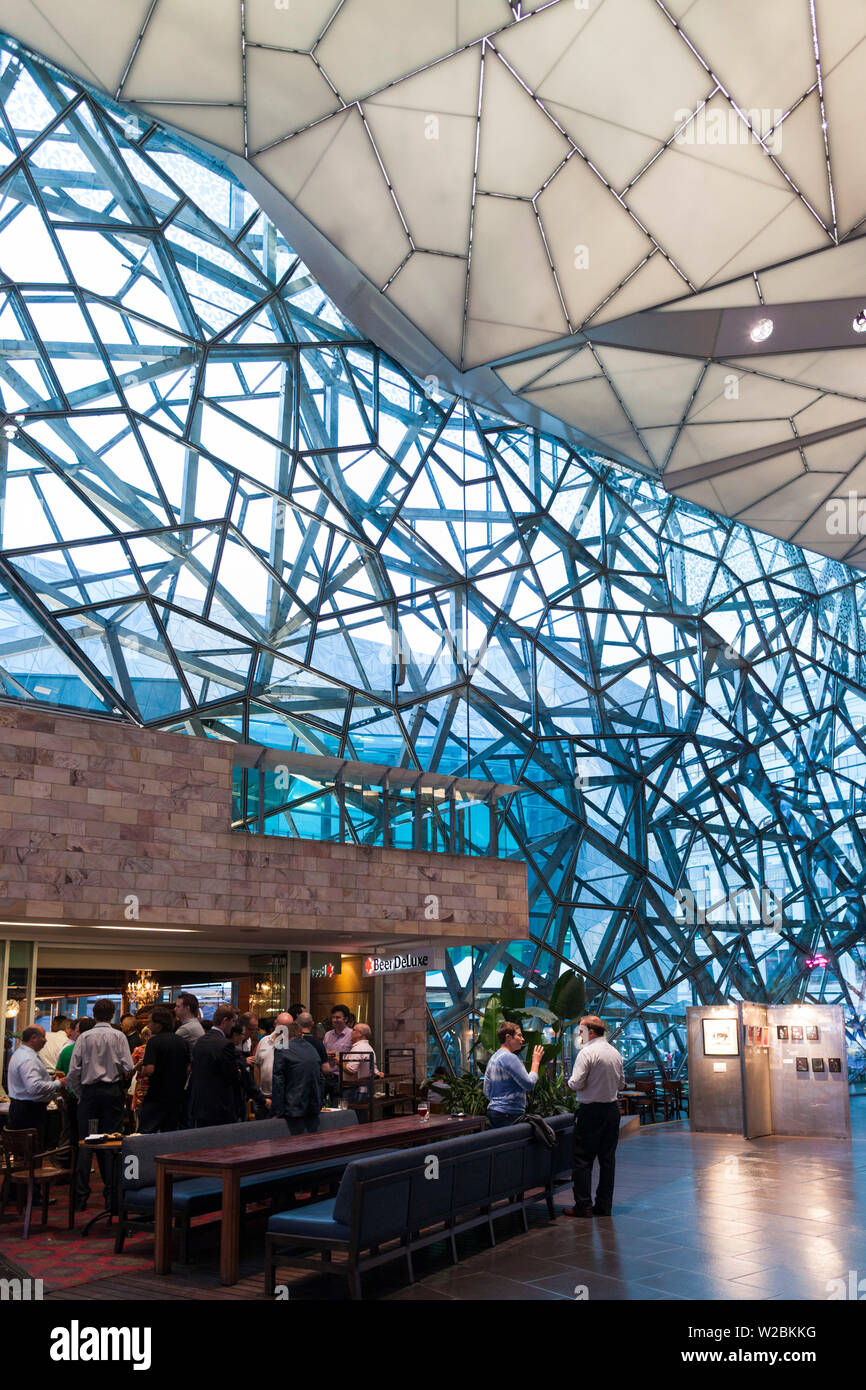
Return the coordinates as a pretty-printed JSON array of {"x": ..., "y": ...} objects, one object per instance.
[{"x": 305, "y": 796}]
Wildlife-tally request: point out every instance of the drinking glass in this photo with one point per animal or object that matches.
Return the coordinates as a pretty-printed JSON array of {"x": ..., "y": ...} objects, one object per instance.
[
  {"x": 423, "y": 1110},
  {"x": 92, "y": 1126}
]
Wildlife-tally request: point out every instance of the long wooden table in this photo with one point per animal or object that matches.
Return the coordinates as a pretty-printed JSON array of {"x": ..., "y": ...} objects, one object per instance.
[{"x": 234, "y": 1162}]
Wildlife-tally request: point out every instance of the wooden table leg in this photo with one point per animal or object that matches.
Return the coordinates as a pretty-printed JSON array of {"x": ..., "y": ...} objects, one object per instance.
[
  {"x": 162, "y": 1221},
  {"x": 231, "y": 1228}
]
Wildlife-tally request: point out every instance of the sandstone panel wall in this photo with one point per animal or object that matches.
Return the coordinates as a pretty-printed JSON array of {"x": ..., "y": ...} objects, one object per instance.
[{"x": 93, "y": 813}]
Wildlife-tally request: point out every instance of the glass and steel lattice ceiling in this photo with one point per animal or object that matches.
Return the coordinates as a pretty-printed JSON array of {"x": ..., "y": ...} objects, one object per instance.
[{"x": 226, "y": 513}]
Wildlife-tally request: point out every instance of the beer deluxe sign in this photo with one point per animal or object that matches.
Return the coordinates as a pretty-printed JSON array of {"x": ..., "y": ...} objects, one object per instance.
[{"x": 400, "y": 962}]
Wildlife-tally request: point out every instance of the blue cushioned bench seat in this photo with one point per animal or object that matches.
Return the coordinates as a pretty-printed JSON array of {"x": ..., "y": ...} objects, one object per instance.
[
  {"x": 197, "y": 1196},
  {"x": 317, "y": 1218},
  {"x": 388, "y": 1206}
]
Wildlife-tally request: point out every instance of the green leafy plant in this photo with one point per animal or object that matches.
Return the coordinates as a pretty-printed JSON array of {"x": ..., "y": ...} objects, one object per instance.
[
  {"x": 550, "y": 1096},
  {"x": 464, "y": 1093},
  {"x": 487, "y": 1041},
  {"x": 512, "y": 999},
  {"x": 568, "y": 999},
  {"x": 510, "y": 1006}
]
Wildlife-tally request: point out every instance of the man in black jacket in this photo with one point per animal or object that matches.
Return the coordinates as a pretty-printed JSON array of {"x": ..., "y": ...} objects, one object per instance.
[
  {"x": 166, "y": 1067},
  {"x": 249, "y": 1091},
  {"x": 298, "y": 1084},
  {"x": 214, "y": 1082}
]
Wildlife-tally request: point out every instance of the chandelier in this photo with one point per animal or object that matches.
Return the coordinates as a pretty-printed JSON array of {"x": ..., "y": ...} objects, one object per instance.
[
  {"x": 143, "y": 990},
  {"x": 263, "y": 999}
]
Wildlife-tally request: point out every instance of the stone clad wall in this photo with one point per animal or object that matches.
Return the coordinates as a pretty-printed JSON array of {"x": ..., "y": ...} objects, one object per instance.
[
  {"x": 93, "y": 812},
  {"x": 405, "y": 1017}
]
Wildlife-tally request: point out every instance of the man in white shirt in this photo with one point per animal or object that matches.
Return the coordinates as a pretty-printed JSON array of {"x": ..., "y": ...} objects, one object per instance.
[
  {"x": 29, "y": 1085},
  {"x": 99, "y": 1073},
  {"x": 55, "y": 1042},
  {"x": 263, "y": 1061},
  {"x": 597, "y": 1079},
  {"x": 359, "y": 1063}
]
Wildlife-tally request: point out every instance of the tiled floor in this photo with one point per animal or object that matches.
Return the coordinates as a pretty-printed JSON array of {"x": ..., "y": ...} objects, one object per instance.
[{"x": 696, "y": 1216}]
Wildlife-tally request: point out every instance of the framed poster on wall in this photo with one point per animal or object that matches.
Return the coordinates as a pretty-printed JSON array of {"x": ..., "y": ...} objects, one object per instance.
[{"x": 721, "y": 1037}]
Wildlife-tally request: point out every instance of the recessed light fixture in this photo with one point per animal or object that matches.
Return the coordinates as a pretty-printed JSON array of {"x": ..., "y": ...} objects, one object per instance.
[
  {"x": 760, "y": 332},
  {"x": 859, "y": 322},
  {"x": 173, "y": 931},
  {"x": 91, "y": 926}
]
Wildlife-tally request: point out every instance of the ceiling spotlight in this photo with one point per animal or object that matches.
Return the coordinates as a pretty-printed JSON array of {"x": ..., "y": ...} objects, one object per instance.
[
  {"x": 761, "y": 330},
  {"x": 859, "y": 322}
]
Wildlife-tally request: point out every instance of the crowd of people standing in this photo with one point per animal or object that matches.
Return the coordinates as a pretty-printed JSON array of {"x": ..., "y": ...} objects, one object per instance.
[{"x": 180, "y": 1070}]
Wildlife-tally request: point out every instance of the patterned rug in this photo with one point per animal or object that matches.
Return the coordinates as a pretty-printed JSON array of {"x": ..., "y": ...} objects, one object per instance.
[{"x": 62, "y": 1258}]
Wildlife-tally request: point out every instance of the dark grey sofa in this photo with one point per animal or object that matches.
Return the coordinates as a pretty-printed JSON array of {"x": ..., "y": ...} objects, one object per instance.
[
  {"x": 196, "y": 1196},
  {"x": 389, "y": 1206}
]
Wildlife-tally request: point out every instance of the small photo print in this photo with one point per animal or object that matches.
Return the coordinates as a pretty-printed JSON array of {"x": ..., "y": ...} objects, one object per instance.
[
  {"x": 834, "y": 1064},
  {"x": 796, "y": 1032},
  {"x": 750, "y": 1033},
  {"x": 812, "y": 1033},
  {"x": 765, "y": 1037},
  {"x": 782, "y": 1032},
  {"x": 802, "y": 1064},
  {"x": 817, "y": 1063}
]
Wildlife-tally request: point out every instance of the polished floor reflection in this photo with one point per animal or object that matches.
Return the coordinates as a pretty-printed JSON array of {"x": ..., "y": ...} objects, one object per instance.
[{"x": 696, "y": 1217}]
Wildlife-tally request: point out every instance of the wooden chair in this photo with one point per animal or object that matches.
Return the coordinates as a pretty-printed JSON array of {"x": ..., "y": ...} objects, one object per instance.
[
  {"x": 648, "y": 1105},
  {"x": 25, "y": 1166},
  {"x": 401, "y": 1085},
  {"x": 362, "y": 1084},
  {"x": 400, "y": 1060},
  {"x": 674, "y": 1100}
]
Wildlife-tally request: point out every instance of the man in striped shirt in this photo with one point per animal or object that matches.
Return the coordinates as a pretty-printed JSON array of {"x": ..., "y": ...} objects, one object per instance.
[{"x": 506, "y": 1080}]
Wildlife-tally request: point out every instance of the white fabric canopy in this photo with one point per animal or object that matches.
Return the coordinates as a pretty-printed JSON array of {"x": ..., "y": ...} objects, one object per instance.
[{"x": 577, "y": 176}]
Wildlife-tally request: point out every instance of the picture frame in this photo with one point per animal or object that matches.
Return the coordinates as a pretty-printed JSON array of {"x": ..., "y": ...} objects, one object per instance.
[
  {"x": 813, "y": 1033},
  {"x": 802, "y": 1064},
  {"x": 782, "y": 1032},
  {"x": 796, "y": 1032},
  {"x": 817, "y": 1063},
  {"x": 721, "y": 1037},
  {"x": 834, "y": 1064}
]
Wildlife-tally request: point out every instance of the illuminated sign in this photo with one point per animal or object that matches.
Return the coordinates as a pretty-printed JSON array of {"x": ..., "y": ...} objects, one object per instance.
[
  {"x": 324, "y": 967},
  {"x": 400, "y": 962}
]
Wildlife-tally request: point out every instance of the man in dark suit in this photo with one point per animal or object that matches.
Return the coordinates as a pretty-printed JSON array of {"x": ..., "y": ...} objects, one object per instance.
[
  {"x": 165, "y": 1065},
  {"x": 298, "y": 1084},
  {"x": 213, "y": 1081}
]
